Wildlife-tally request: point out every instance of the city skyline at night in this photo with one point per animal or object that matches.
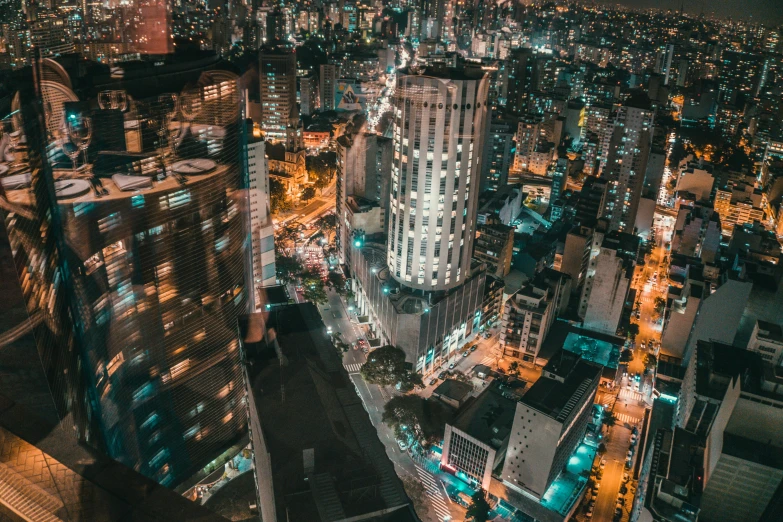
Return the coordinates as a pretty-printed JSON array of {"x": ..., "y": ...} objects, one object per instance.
[{"x": 391, "y": 260}]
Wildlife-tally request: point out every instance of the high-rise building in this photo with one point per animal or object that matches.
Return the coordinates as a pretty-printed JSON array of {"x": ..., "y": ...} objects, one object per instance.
[
  {"x": 135, "y": 279},
  {"x": 363, "y": 176},
  {"x": 520, "y": 77},
  {"x": 626, "y": 161},
  {"x": 438, "y": 136},
  {"x": 607, "y": 277},
  {"x": 498, "y": 155},
  {"x": 328, "y": 85},
  {"x": 262, "y": 233},
  {"x": 277, "y": 81},
  {"x": 308, "y": 95}
]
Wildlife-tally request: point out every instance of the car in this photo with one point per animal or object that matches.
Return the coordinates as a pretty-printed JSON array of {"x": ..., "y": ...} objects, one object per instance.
[
  {"x": 403, "y": 446},
  {"x": 328, "y": 329},
  {"x": 630, "y": 454},
  {"x": 473, "y": 348},
  {"x": 451, "y": 366},
  {"x": 442, "y": 375},
  {"x": 603, "y": 464},
  {"x": 466, "y": 353},
  {"x": 487, "y": 335},
  {"x": 589, "y": 514},
  {"x": 433, "y": 381}
]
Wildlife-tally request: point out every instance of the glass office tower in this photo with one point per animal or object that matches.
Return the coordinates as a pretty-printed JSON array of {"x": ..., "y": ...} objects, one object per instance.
[{"x": 140, "y": 285}]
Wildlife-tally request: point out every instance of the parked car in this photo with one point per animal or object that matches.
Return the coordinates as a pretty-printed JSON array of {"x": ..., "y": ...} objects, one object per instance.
[
  {"x": 451, "y": 366},
  {"x": 603, "y": 463},
  {"x": 442, "y": 375},
  {"x": 466, "y": 353},
  {"x": 473, "y": 348},
  {"x": 433, "y": 381}
]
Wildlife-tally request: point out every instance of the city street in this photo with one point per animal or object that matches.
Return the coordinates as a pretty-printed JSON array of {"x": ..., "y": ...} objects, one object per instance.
[{"x": 649, "y": 286}]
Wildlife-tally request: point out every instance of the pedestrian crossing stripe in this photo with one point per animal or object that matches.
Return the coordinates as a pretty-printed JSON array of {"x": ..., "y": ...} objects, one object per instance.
[
  {"x": 486, "y": 361},
  {"x": 622, "y": 417},
  {"x": 433, "y": 492},
  {"x": 353, "y": 368}
]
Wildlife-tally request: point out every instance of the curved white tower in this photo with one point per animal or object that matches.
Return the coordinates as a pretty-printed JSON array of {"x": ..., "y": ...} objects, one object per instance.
[{"x": 438, "y": 124}]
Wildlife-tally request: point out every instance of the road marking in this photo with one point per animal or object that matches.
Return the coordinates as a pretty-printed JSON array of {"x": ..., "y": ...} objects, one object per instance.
[
  {"x": 433, "y": 492},
  {"x": 353, "y": 368},
  {"x": 486, "y": 361},
  {"x": 622, "y": 417},
  {"x": 625, "y": 393}
]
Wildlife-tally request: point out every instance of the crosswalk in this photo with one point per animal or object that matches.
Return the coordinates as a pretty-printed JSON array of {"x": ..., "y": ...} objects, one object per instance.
[
  {"x": 353, "y": 368},
  {"x": 487, "y": 361},
  {"x": 626, "y": 419},
  {"x": 434, "y": 493},
  {"x": 627, "y": 393}
]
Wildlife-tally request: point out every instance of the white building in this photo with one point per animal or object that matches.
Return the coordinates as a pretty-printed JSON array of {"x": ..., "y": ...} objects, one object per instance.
[
  {"x": 438, "y": 139},
  {"x": 626, "y": 163},
  {"x": 549, "y": 423},
  {"x": 327, "y": 87},
  {"x": 261, "y": 225},
  {"x": 605, "y": 288}
]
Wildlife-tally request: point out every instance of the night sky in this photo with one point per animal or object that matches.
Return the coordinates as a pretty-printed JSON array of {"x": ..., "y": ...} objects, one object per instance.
[{"x": 768, "y": 12}]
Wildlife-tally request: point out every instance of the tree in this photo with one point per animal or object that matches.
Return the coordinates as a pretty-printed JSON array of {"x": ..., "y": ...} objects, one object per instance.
[
  {"x": 513, "y": 367},
  {"x": 402, "y": 414},
  {"x": 602, "y": 449},
  {"x": 288, "y": 267},
  {"x": 417, "y": 494},
  {"x": 313, "y": 287},
  {"x": 633, "y": 331},
  {"x": 308, "y": 193},
  {"x": 385, "y": 366},
  {"x": 478, "y": 510},
  {"x": 336, "y": 281},
  {"x": 660, "y": 305},
  {"x": 278, "y": 198},
  {"x": 327, "y": 223},
  {"x": 609, "y": 419},
  {"x": 650, "y": 361},
  {"x": 626, "y": 356}
]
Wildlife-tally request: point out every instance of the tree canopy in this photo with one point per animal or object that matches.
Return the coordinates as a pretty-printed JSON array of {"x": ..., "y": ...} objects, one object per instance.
[
  {"x": 478, "y": 510},
  {"x": 288, "y": 267},
  {"x": 411, "y": 416},
  {"x": 308, "y": 193},
  {"x": 385, "y": 366},
  {"x": 313, "y": 286},
  {"x": 278, "y": 198},
  {"x": 626, "y": 356}
]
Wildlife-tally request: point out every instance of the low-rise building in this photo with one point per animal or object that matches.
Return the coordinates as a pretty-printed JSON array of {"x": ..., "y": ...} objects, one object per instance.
[
  {"x": 528, "y": 314},
  {"x": 549, "y": 423},
  {"x": 738, "y": 204},
  {"x": 475, "y": 443},
  {"x": 767, "y": 341}
]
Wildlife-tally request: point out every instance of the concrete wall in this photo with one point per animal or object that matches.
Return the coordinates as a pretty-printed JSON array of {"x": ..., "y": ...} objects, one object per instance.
[
  {"x": 719, "y": 315},
  {"x": 531, "y": 450}
]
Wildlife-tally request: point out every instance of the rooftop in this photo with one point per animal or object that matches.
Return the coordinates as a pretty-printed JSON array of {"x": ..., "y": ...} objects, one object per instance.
[
  {"x": 752, "y": 450},
  {"x": 556, "y": 398},
  {"x": 488, "y": 417},
  {"x": 453, "y": 389},
  {"x": 300, "y": 383}
]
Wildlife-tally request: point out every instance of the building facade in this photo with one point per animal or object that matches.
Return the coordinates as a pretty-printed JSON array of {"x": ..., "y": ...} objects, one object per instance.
[
  {"x": 262, "y": 232},
  {"x": 277, "y": 81},
  {"x": 626, "y": 163},
  {"x": 438, "y": 140}
]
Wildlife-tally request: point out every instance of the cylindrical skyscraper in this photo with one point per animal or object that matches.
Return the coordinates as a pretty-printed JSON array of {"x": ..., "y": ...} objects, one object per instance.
[{"x": 438, "y": 122}]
